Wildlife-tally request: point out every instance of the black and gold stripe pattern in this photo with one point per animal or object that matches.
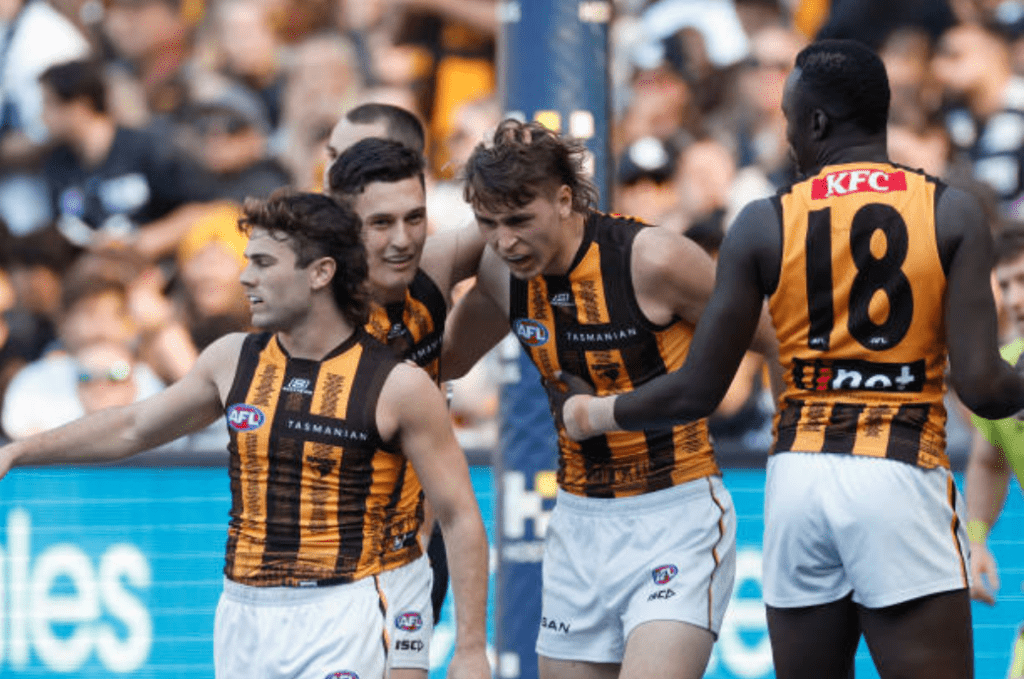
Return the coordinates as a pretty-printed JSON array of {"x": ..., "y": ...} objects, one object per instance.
[
  {"x": 859, "y": 314},
  {"x": 588, "y": 323},
  {"x": 413, "y": 327},
  {"x": 317, "y": 496}
]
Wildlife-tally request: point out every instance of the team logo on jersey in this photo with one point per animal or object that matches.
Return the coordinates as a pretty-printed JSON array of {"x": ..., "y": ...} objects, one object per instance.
[
  {"x": 663, "y": 574},
  {"x": 530, "y": 332},
  {"x": 397, "y": 330},
  {"x": 857, "y": 181},
  {"x": 244, "y": 417},
  {"x": 410, "y": 621},
  {"x": 344, "y": 674}
]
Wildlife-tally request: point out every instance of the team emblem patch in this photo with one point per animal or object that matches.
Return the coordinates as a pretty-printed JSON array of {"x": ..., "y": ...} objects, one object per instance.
[
  {"x": 244, "y": 417},
  {"x": 663, "y": 574},
  {"x": 530, "y": 332},
  {"x": 410, "y": 621},
  {"x": 344, "y": 674}
]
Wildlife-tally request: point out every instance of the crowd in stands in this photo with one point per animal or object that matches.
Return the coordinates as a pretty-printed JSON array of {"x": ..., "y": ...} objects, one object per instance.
[{"x": 132, "y": 130}]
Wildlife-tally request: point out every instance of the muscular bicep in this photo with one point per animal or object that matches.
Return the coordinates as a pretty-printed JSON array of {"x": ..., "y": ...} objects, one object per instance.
[
  {"x": 672, "y": 275},
  {"x": 473, "y": 327},
  {"x": 976, "y": 369},
  {"x": 721, "y": 338},
  {"x": 412, "y": 411}
]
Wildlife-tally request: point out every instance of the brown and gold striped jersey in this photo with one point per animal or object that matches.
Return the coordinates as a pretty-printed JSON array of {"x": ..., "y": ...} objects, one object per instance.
[
  {"x": 413, "y": 327},
  {"x": 316, "y": 495},
  {"x": 589, "y": 323},
  {"x": 859, "y": 315}
]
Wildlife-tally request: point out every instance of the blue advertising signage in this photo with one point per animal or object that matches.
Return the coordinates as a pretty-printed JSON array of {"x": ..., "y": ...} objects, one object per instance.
[{"x": 114, "y": 571}]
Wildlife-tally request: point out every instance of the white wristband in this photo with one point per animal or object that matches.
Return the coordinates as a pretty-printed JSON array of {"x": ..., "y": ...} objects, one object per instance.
[{"x": 601, "y": 413}]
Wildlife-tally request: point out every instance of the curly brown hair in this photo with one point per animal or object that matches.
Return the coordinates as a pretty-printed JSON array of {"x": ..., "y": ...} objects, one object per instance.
[
  {"x": 522, "y": 161},
  {"x": 316, "y": 226}
]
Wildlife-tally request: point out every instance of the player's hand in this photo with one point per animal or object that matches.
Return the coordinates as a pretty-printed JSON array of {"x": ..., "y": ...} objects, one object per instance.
[
  {"x": 983, "y": 571},
  {"x": 570, "y": 396},
  {"x": 468, "y": 664}
]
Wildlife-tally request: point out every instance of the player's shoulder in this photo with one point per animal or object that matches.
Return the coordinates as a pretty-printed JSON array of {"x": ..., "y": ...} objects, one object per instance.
[{"x": 223, "y": 353}]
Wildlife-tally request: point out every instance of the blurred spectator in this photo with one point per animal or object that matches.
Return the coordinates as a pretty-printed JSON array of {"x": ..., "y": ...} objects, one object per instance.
[
  {"x": 871, "y": 21},
  {"x": 154, "y": 38},
  {"x": 661, "y": 105},
  {"x": 986, "y": 121},
  {"x": 210, "y": 260},
  {"x": 323, "y": 79},
  {"x": 915, "y": 94},
  {"x": 251, "y": 50},
  {"x": 102, "y": 177},
  {"x": 44, "y": 394},
  {"x": 757, "y": 120},
  {"x": 33, "y": 37},
  {"x": 644, "y": 187},
  {"x": 715, "y": 20}
]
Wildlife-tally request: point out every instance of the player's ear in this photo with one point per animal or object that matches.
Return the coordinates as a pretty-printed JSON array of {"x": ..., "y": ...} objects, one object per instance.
[
  {"x": 820, "y": 123},
  {"x": 564, "y": 199},
  {"x": 321, "y": 272}
]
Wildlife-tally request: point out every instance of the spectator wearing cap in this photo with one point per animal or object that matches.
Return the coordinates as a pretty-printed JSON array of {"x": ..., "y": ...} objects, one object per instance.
[{"x": 103, "y": 177}]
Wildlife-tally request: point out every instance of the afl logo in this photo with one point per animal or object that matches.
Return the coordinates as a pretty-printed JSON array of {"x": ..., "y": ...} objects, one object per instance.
[
  {"x": 662, "y": 574},
  {"x": 410, "y": 621},
  {"x": 244, "y": 417},
  {"x": 344, "y": 674},
  {"x": 530, "y": 332}
]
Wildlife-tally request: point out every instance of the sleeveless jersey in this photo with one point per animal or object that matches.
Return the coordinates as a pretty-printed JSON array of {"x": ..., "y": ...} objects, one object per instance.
[
  {"x": 413, "y": 327},
  {"x": 588, "y": 323},
  {"x": 316, "y": 496},
  {"x": 859, "y": 314}
]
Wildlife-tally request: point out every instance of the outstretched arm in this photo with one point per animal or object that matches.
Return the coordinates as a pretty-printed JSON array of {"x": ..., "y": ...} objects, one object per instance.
[
  {"x": 411, "y": 407},
  {"x": 984, "y": 382},
  {"x": 478, "y": 321},
  {"x": 721, "y": 338},
  {"x": 188, "y": 405}
]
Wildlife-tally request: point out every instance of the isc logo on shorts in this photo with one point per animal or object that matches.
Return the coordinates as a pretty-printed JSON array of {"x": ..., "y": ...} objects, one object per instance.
[
  {"x": 530, "y": 332},
  {"x": 244, "y": 417},
  {"x": 410, "y": 621},
  {"x": 663, "y": 574},
  {"x": 408, "y": 645}
]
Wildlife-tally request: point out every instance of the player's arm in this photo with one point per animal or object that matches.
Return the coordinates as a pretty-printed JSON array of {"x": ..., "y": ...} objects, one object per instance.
[
  {"x": 452, "y": 256},
  {"x": 987, "y": 481},
  {"x": 412, "y": 409},
  {"x": 479, "y": 320},
  {"x": 191, "y": 403},
  {"x": 985, "y": 383},
  {"x": 674, "y": 278},
  {"x": 720, "y": 340}
]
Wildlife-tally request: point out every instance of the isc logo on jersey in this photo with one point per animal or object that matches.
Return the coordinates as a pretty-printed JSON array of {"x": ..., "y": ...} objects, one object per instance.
[
  {"x": 663, "y": 574},
  {"x": 244, "y": 417},
  {"x": 410, "y": 621},
  {"x": 857, "y": 181},
  {"x": 530, "y": 332}
]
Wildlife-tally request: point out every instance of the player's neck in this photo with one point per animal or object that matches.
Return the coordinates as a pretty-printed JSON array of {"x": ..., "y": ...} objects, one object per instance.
[
  {"x": 317, "y": 335},
  {"x": 863, "y": 150},
  {"x": 573, "y": 228}
]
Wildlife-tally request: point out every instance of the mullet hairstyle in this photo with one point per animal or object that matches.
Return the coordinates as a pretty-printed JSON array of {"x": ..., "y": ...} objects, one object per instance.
[
  {"x": 316, "y": 226},
  {"x": 369, "y": 161},
  {"x": 522, "y": 162},
  {"x": 848, "y": 81}
]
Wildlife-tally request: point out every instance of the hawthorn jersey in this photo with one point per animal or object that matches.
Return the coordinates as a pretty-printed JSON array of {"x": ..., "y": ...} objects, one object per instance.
[
  {"x": 316, "y": 496},
  {"x": 588, "y": 323},
  {"x": 859, "y": 315},
  {"x": 413, "y": 327}
]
